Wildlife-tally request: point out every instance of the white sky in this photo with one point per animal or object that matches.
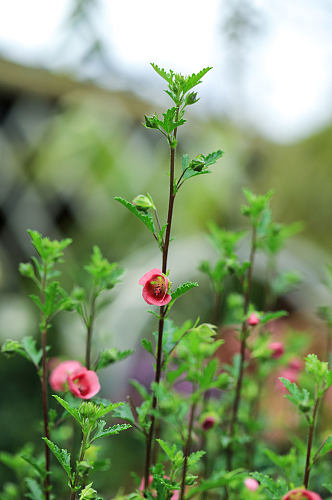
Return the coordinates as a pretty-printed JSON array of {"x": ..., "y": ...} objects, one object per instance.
[{"x": 286, "y": 84}]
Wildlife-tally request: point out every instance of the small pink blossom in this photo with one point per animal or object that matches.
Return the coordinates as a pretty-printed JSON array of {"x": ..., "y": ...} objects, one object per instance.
[
  {"x": 155, "y": 286},
  {"x": 251, "y": 483},
  {"x": 277, "y": 349},
  {"x": 301, "y": 494},
  {"x": 208, "y": 423},
  {"x": 253, "y": 319},
  {"x": 289, "y": 374},
  {"x": 83, "y": 383},
  {"x": 296, "y": 364},
  {"x": 58, "y": 377}
]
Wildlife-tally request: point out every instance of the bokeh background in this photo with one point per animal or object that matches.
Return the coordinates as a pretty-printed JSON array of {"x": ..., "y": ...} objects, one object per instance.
[{"x": 75, "y": 82}]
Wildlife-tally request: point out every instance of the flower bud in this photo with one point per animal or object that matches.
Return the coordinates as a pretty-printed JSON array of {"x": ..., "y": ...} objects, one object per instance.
[
  {"x": 277, "y": 349},
  {"x": 191, "y": 98},
  {"x": 143, "y": 203},
  {"x": 251, "y": 483},
  {"x": 197, "y": 164},
  {"x": 253, "y": 319},
  {"x": 208, "y": 423}
]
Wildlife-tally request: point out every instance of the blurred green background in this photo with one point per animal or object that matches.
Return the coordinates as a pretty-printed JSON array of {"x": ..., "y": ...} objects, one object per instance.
[{"x": 71, "y": 138}]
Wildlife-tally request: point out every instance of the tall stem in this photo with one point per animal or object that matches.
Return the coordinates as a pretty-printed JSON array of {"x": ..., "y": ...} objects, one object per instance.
[
  {"x": 244, "y": 335},
  {"x": 171, "y": 198},
  {"x": 81, "y": 458},
  {"x": 44, "y": 322},
  {"x": 309, "y": 445},
  {"x": 89, "y": 332},
  {"x": 187, "y": 449},
  {"x": 45, "y": 413}
]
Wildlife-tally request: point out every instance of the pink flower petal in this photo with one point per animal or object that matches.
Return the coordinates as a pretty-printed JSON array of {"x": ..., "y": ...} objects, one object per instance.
[
  {"x": 149, "y": 275},
  {"x": 58, "y": 377},
  {"x": 251, "y": 483},
  {"x": 84, "y": 383},
  {"x": 305, "y": 494}
]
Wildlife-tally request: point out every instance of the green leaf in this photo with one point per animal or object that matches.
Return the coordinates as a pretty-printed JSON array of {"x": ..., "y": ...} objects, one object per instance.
[
  {"x": 211, "y": 158},
  {"x": 106, "y": 274},
  {"x": 270, "y": 316},
  {"x": 61, "y": 455},
  {"x": 326, "y": 448},
  {"x": 70, "y": 409},
  {"x": 35, "y": 491},
  {"x": 147, "y": 344},
  {"x": 124, "y": 411},
  {"x": 110, "y": 431},
  {"x": 162, "y": 72},
  {"x": 11, "y": 347},
  {"x": 110, "y": 356},
  {"x": 182, "y": 289},
  {"x": 300, "y": 397},
  {"x": 29, "y": 345},
  {"x": 36, "y": 464},
  {"x": 195, "y": 457},
  {"x": 145, "y": 218},
  {"x": 193, "y": 80}
]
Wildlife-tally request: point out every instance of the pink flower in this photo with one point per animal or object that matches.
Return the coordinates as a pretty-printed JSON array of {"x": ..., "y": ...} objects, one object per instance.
[
  {"x": 301, "y": 494},
  {"x": 155, "y": 285},
  {"x": 251, "y": 483},
  {"x": 208, "y": 423},
  {"x": 277, "y": 349},
  {"x": 295, "y": 364},
  {"x": 58, "y": 377},
  {"x": 83, "y": 383},
  {"x": 291, "y": 375},
  {"x": 253, "y": 319}
]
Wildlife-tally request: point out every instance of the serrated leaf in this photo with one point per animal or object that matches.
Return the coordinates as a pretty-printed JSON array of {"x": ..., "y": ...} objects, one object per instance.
[
  {"x": 63, "y": 456},
  {"x": 211, "y": 158},
  {"x": 145, "y": 218},
  {"x": 193, "y": 80},
  {"x": 110, "y": 356},
  {"x": 300, "y": 397},
  {"x": 110, "y": 431},
  {"x": 35, "y": 492},
  {"x": 182, "y": 289},
  {"x": 70, "y": 409},
  {"x": 195, "y": 457},
  {"x": 162, "y": 72},
  {"x": 124, "y": 411}
]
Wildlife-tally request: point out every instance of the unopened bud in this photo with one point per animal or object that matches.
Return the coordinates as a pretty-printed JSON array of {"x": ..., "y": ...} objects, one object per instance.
[
  {"x": 253, "y": 319},
  {"x": 143, "y": 203}
]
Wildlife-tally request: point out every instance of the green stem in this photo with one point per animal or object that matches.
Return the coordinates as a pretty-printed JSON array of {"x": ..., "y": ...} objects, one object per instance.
[
  {"x": 150, "y": 436},
  {"x": 309, "y": 444},
  {"x": 44, "y": 323},
  {"x": 89, "y": 331},
  {"x": 244, "y": 335},
  {"x": 81, "y": 458},
  {"x": 187, "y": 449}
]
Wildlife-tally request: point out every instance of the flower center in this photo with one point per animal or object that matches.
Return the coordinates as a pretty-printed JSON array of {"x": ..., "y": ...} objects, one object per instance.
[{"x": 158, "y": 287}]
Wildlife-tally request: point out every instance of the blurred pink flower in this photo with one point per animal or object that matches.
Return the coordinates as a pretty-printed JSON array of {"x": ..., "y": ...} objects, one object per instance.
[
  {"x": 301, "y": 494},
  {"x": 253, "y": 319},
  {"x": 83, "y": 383},
  {"x": 155, "y": 285},
  {"x": 58, "y": 377},
  {"x": 296, "y": 364},
  {"x": 251, "y": 483},
  {"x": 290, "y": 374},
  {"x": 208, "y": 423},
  {"x": 277, "y": 349}
]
